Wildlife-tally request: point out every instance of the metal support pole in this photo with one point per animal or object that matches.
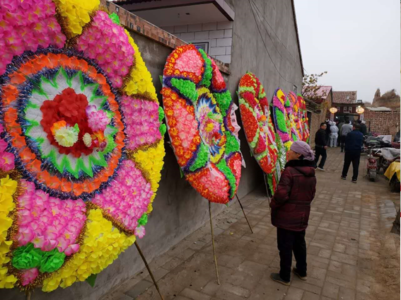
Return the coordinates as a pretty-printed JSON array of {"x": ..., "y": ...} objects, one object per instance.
[
  {"x": 28, "y": 295},
  {"x": 150, "y": 272},
  {"x": 246, "y": 218},
  {"x": 214, "y": 250}
]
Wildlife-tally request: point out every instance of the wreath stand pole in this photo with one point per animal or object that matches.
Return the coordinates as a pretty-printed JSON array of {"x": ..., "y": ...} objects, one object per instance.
[
  {"x": 150, "y": 272},
  {"x": 266, "y": 184},
  {"x": 28, "y": 295},
  {"x": 246, "y": 218},
  {"x": 214, "y": 250}
]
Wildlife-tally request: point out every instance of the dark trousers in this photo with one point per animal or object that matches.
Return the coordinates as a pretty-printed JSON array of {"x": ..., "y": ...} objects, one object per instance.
[
  {"x": 342, "y": 142},
  {"x": 354, "y": 158},
  {"x": 288, "y": 242},
  {"x": 320, "y": 151}
]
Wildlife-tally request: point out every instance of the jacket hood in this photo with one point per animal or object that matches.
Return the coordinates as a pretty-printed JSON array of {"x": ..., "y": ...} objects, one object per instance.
[{"x": 306, "y": 167}]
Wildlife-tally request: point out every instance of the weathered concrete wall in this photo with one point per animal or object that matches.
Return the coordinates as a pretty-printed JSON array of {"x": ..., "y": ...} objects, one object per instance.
[{"x": 178, "y": 209}]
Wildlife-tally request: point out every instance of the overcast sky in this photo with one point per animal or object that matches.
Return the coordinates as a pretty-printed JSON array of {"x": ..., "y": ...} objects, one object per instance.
[{"x": 356, "y": 41}]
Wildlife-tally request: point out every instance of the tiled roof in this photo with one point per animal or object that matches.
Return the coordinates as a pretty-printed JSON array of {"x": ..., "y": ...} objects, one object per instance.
[
  {"x": 321, "y": 93},
  {"x": 345, "y": 97}
]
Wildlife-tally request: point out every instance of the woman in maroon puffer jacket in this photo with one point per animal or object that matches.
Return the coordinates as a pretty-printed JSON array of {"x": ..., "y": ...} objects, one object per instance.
[{"x": 290, "y": 208}]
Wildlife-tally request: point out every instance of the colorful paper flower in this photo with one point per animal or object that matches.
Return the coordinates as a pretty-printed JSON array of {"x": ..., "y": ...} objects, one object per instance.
[
  {"x": 201, "y": 123},
  {"x": 82, "y": 131},
  {"x": 255, "y": 114}
]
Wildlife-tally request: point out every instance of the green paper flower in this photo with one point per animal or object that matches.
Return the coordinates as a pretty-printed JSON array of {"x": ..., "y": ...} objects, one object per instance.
[
  {"x": 222, "y": 166},
  {"x": 224, "y": 101},
  {"x": 202, "y": 158},
  {"x": 52, "y": 261},
  {"x": 207, "y": 77},
  {"x": 186, "y": 87},
  {"x": 27, "y": 257}
]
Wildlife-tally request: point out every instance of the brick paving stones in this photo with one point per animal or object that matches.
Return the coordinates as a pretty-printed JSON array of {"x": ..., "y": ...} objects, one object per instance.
[{"x": 349, "y": 226}]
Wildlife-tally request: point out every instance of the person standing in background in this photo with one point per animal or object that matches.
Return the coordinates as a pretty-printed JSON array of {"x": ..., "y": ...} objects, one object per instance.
[
  {"x": 333, "y": 135},
  {"x": 328, "y": 129},
  {"x": 321, "y": 142},
  {"x": 345, "y": 129},
  {"x": 364, "y": 129},
  {"x": 353, "y": 149},
  {"x": 340, "y": 125}
]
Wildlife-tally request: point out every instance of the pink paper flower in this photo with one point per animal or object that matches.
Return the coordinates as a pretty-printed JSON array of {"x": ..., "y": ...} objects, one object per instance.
[
  {"x": 98, "y": 120},
  {"x": 49, "y": 222},
  {"x": 109, "y": 46},
  {"x": 29, "y": 276},
  {"x": 71, "y": 249},
  {"x": 140, "y": 232},
  {"x": 142, "y": 121},
  {"x": 128, "y": 196},
  {"x": 7, "y": 161}
]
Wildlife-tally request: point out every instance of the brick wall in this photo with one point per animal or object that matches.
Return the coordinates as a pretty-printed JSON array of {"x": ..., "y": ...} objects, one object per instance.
[
  {"x": 218, "y": 35},
  {"x": 382, "y": 122}
]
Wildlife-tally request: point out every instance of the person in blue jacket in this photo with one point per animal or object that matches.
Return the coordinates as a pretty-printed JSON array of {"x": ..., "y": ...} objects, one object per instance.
[{"x": 353, "y": 149}]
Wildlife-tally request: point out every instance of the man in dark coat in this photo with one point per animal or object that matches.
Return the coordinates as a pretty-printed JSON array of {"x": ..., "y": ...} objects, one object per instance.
[
  {"x": 321, "y": 142},
  {"x": 364, "y": 129},
  {"x": 353, "y": 149},
  {"x": 290, "y": 208}
]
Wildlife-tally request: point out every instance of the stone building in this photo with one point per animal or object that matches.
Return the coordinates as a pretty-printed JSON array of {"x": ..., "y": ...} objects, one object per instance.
[
  {"x": 383, "y": 116},
  {"x": 258, "y": 36},
  {"x": 347, "y": 104}
]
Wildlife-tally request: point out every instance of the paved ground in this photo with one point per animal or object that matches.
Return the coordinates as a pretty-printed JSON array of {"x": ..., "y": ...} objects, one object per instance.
[{"x": 351, "y": 254}]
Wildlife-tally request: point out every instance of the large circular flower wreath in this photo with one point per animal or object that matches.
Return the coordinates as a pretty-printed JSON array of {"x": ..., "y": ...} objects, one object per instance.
[
  {"x": 81, "y": 146},
  {"x": 258, "y": 126},
  {"x": 202, "y": 124}
]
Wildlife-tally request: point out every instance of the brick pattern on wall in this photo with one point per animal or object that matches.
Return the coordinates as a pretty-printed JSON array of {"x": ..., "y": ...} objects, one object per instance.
[
  {"x": 382, "y": 122},
  {"x": 218, "y": 35}
]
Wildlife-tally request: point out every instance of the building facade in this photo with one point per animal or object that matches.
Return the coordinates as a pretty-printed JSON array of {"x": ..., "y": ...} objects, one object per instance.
[{"x": 347, "y": 105}]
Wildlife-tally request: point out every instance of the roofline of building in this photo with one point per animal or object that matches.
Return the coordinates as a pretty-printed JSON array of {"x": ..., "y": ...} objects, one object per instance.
[
  {"x": 221, "y": 5},
  {"x": 296, "y": 30}
]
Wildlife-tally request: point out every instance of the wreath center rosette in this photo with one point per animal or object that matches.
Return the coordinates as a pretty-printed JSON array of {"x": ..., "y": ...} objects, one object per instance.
[
  {"x": 202, "y": 124},
  {"x": 81, "y": 147}
]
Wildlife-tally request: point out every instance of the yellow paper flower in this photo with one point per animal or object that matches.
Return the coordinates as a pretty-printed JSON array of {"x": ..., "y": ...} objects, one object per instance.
[
  {"x": 8, "y": 187},
  {"x": 102, "y": 245},
  {"x": 66, "y": 136},
  {"x": 151, "y": 161},
  {"x": 140, "y": 80},
  {"x": 77, "y": 13}
]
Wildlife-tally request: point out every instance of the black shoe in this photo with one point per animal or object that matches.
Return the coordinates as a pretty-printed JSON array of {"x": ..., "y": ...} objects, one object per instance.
[
  {"x": 343, "y": 178},
  {"x": 276, "y": 277},
  {"x": 353, "y": 180},
  {"x": 304, "y": 278}
]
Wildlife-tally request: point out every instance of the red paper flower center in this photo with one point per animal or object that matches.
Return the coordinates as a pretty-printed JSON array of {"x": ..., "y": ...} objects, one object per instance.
[{"x": 70, "y": 107}]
